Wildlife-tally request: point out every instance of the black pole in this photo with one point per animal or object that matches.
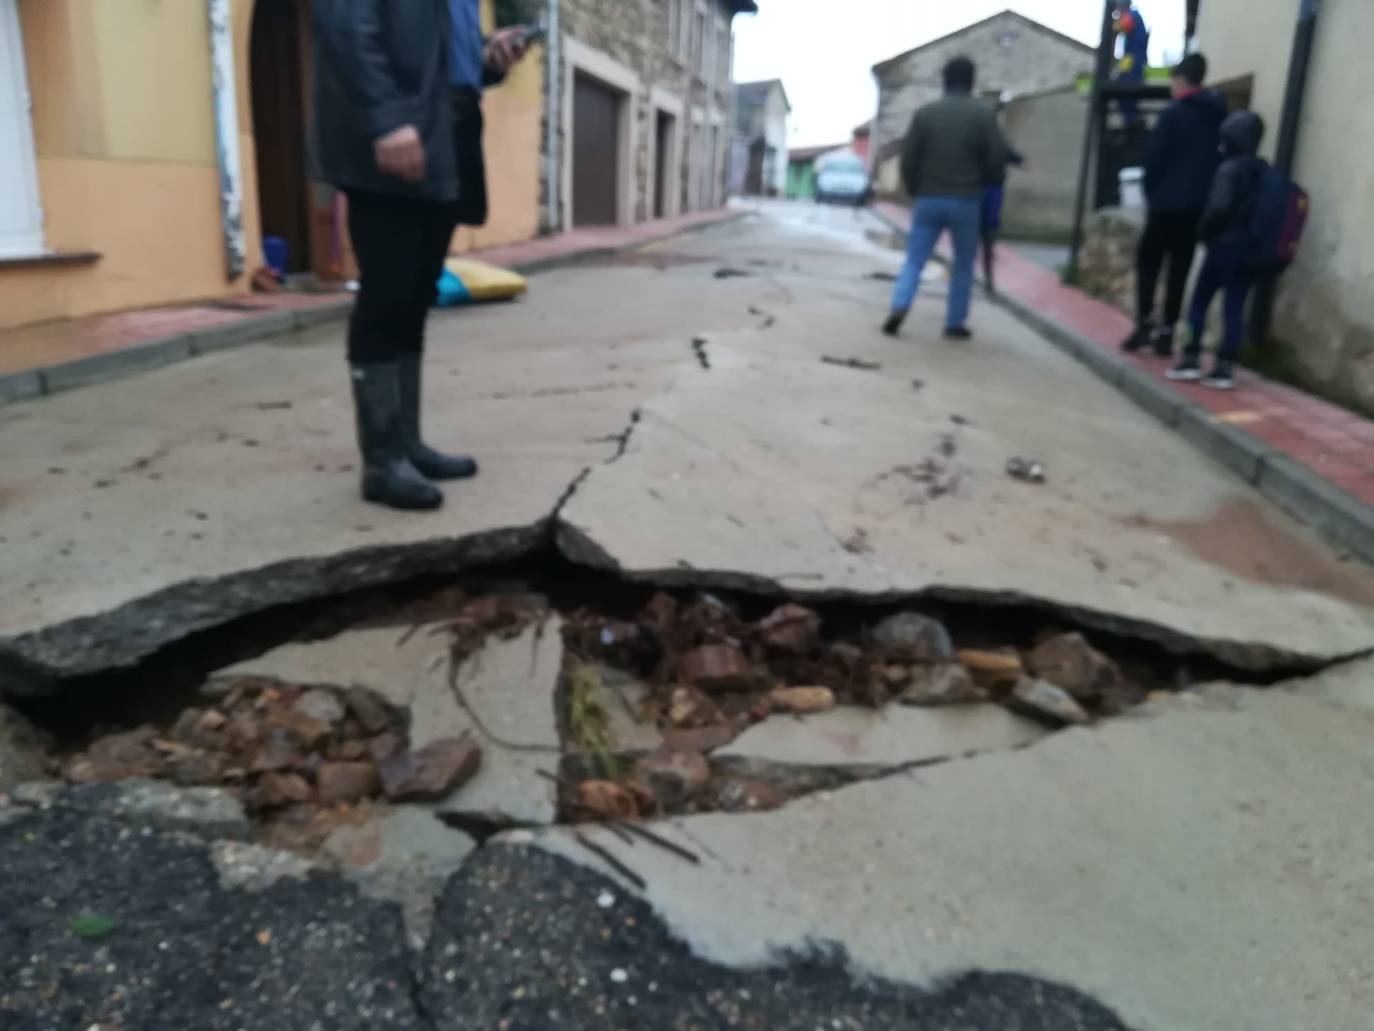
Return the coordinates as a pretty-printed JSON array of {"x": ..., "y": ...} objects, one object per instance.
[
  {"x": 1190, "y": 29},
  {"x": 1105, "y": 50},
  {"x": 1286, "y": 149}
]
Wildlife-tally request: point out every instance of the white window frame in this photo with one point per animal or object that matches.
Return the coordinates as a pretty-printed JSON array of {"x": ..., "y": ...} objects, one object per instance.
[{"x": 26, "y": 242}]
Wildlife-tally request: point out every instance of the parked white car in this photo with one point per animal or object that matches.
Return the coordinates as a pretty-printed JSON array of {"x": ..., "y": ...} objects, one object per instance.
[{"x": 842, "y": 178}]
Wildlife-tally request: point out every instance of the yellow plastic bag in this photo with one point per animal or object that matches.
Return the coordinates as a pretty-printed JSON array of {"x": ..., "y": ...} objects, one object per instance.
[{"x": 487, "y": 282}]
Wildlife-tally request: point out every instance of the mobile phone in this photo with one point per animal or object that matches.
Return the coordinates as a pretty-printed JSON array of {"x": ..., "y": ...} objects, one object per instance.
[{"x": 534, "y": 34}]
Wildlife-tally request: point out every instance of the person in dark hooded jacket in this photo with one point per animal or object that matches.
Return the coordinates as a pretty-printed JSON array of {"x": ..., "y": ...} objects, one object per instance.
[
  {"x": 1181, "y": 157},
  {"x": 1226, "y": 230},
  {"x": 398, "y": 128}
]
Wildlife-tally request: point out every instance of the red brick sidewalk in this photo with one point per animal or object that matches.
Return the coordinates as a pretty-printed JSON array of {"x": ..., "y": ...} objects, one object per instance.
[
  {"x": 1335, "y": 443},
  {"x": 29, "y": 349}
]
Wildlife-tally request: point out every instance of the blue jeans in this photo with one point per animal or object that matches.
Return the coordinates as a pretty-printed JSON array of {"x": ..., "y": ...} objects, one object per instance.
[
  {"x": 1224, "y": 270},
  {"x": 933, "y": 215}
]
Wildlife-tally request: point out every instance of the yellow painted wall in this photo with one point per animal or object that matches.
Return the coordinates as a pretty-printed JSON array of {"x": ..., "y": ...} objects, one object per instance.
[
  {"x": 514, "y": 113},
  {"x": 124, "y": 133},
  {"x": 123, "y": 130},
  {"x": 153, "y": 60}
]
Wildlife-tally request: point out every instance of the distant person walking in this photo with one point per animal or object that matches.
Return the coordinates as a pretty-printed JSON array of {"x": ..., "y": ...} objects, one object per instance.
[
  {"x": 398, "y": 126},
  {"x": 1181, "y": 157},
  {"x": 953, "y": 151},
  {"x": 1231, "y": 266}
]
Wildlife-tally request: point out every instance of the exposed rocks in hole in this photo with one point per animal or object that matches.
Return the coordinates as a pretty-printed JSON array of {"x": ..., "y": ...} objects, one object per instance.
[
  {"x": 801, "y": 700},
  {"x": 699, "y": 351},
  {"x": 913, "y": 637},
  {"x": 24, "y": 749},
  {"x": 490, "y": 671},
  {"x": 707, "y": 678},
  {"x": 636, "y": 703},
  {"x": 942, "y": 683},
  {"x": 747, "y": 795},
  {"x": 1070, "y": 662},
  {"x": 431, "y": 773},
  {"x": 993, "y": 669},
  {"x": 259, "y": 749},
  {"x": 1044, "y": 701}
]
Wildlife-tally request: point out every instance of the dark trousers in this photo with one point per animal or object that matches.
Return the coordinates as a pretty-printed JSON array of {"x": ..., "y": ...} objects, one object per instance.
[
  {"x": 1222, "y": 271},
  {"x": 1172, "y": 236},
  {"x": 401, "y": 243}
]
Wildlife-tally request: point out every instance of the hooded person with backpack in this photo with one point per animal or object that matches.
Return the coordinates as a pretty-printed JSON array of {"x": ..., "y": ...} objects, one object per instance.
[
  {"x": 1233, "y": 228},
  {"x": 1181, "y": 157}
]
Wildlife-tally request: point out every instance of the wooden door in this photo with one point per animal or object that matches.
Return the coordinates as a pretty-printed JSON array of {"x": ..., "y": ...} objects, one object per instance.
[
  {"x": 279, "y": 127},
  {"x": 596, "y": 146},
  {"x": 663, "y": 162}
]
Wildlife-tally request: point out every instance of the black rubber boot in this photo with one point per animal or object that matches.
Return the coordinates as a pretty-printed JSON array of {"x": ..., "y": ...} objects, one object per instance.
[
  {"x": 893, "y": 325},
  {"x": 433, "y": 464},
  {"x": 1139, "y": 338},
  {"x": 388, "y": 476}
]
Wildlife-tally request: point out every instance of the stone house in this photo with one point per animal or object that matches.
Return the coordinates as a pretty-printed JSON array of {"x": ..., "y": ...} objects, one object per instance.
[
  {"x": 1324, "y": 311},
  {"x": 638, "y": 122},
  {"x": 759, "y": 153},
  {"x": 1014, "y": 55}
]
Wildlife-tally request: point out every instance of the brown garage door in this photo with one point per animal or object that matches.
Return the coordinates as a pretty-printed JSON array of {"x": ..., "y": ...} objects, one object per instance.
[{"x": 596, "y": 111}]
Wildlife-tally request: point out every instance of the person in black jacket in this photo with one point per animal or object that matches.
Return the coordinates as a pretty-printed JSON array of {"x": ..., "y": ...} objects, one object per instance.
[
  {"x": 398, "y": 128},
  {"x": 1180, "y": 160},
  {"x": 1226, "y": 229}
]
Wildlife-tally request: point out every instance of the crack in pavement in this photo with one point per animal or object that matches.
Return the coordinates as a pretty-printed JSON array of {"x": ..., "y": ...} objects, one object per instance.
[
  {"x": 622, "y": 439},
  {"x": 699, "y": 349}
]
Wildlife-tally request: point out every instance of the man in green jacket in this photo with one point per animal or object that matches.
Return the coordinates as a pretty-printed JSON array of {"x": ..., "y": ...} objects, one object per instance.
[{"x": 953, "y": 150}]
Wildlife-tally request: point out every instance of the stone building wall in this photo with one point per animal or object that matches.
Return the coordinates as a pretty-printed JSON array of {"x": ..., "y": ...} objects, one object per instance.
[
  {"x": 657, "y": 42},
  {"x": 1047, "y": 128},
  {"x": 1014, "y": 55}
]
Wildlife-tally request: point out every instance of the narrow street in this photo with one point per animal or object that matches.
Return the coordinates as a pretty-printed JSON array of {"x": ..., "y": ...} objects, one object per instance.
[{"x": 1177, "y": 840}]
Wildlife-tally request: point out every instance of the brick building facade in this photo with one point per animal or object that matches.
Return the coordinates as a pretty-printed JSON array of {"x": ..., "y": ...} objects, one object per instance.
[{"x": 640, "y": 109}]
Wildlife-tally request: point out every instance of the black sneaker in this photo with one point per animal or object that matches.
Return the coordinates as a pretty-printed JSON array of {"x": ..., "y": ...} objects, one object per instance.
[
  {"x": 1222, "y": 377},
  {"x": 1187, "y": 370},
  {"x": 893, "y": 325},
  {"x": 958, "y": 333},
  {"x": 1163, "y": 342},
  {"x": 1140, "y": 336}
]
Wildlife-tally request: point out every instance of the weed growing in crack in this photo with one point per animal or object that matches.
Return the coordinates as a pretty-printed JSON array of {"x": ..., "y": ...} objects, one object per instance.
[{"x": 588, "y": 721}]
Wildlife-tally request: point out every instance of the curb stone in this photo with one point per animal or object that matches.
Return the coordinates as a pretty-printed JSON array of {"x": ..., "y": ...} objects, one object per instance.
[
  {"x": 153, "y": 354},
  {"x": 115, "y": 364},
  {"x": 1340, "y": 517}
]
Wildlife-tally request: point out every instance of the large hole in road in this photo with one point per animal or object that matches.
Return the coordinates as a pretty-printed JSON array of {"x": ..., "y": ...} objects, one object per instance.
[{"x": 655, "y": 701}]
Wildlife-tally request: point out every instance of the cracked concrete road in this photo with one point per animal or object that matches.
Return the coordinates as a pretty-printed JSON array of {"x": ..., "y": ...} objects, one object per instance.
[
  {"x": 139, "y": 512},
  {"x": 1203, "y": 864}
]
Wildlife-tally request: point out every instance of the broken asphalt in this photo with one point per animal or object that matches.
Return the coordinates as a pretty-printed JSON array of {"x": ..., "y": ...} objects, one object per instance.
[{"x": 646, "y": 417}]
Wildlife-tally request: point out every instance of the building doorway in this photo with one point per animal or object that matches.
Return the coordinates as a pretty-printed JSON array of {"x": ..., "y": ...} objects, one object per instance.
[
  {"x": 596, "y": 151},
  {"x": 278, "y": 56},
  {"x": 665, "y": 132}
]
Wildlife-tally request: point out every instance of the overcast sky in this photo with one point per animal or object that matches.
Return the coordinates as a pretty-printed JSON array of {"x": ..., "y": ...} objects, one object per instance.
[{"x": 826, "y": 64}]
